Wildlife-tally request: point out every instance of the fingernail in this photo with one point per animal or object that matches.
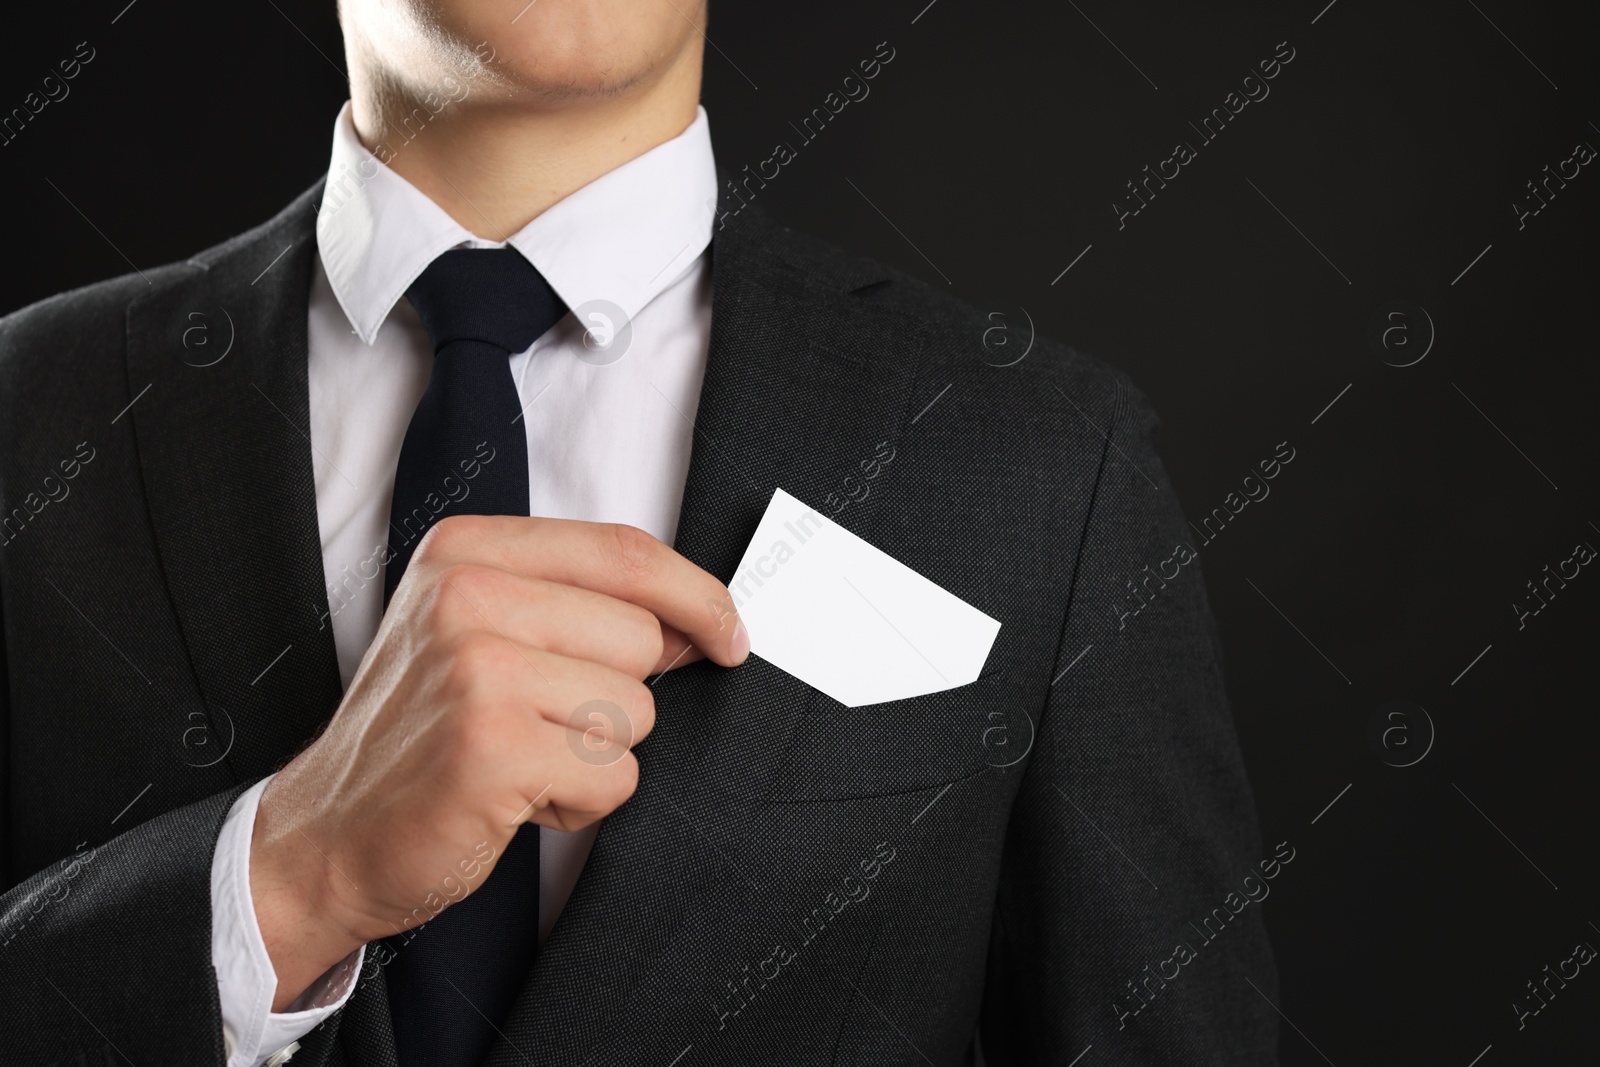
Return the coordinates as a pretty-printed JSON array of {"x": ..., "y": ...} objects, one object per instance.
[{"x": 739, "y": 647}]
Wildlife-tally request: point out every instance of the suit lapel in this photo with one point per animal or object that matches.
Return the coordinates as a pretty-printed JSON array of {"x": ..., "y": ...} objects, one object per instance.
[
  {"x": 803, "y": 381},
  {"x": 217, "y": 360}
]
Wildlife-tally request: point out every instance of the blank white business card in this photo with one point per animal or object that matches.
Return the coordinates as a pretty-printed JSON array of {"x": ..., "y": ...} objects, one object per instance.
[{"x": 849, "y": 619}]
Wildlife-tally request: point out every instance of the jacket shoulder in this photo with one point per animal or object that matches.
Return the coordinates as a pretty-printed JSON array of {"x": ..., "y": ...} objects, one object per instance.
[
  {"x": 994, "y": 352},
  {"x": 56, "y": 327},
  {"x": 64, "y": 331}
]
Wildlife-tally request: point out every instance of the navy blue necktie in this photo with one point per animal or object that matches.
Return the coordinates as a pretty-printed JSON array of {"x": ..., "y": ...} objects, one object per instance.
[{"x": 452, "y": 981}]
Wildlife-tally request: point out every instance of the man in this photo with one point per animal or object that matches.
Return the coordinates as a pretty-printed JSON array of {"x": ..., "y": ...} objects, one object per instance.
[{"x": 319, "y": 746}]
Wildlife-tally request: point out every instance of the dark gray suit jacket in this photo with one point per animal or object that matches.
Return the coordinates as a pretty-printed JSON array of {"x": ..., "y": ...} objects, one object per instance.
[{"x": 794, "y": 881}]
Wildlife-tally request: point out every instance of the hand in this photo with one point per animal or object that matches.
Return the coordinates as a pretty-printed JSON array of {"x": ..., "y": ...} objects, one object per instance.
[{"x": 463, "y": 721}]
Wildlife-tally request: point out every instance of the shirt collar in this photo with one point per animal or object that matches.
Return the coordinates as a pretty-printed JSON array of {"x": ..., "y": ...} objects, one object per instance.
[{"x": 621, "y": 239}]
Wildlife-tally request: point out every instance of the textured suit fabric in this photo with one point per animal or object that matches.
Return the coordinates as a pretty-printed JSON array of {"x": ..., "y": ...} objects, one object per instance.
[{"x": 794, "y": 881}]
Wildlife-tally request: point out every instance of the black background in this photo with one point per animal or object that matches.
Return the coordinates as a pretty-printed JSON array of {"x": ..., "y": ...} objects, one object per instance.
[{"x": 987, "y": 158}]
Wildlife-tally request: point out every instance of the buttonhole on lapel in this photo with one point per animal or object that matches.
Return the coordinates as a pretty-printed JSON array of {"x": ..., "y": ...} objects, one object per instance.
[
  {"x": 836, "y": 356},
  {"x": 872, "y": 288}
]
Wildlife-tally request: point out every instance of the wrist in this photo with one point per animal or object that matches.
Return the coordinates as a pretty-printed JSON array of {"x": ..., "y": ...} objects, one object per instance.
[{"x": 306, "y": 923}]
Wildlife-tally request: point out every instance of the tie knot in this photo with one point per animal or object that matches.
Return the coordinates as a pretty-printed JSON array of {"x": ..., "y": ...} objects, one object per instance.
[{"x": 492, "y": 295}]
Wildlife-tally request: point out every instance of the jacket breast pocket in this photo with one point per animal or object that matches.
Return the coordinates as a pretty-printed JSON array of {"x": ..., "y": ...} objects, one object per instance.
[{"x": 839, "y": 753}]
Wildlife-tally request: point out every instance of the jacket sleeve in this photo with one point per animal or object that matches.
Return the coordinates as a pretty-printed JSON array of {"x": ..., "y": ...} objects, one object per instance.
[
  {"x": 1127, "y": 915},
  {"x": 105, "y": 956}
]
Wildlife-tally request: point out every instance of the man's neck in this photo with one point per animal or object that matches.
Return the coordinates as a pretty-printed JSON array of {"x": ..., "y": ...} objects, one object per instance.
[{"x": 494, "y": 165}]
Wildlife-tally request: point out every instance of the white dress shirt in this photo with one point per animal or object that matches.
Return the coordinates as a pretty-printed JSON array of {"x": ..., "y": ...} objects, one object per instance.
[{"x": 608, "y": 393}]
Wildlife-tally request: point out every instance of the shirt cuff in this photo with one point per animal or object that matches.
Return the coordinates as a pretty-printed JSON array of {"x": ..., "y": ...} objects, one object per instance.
[{"x": 246, "y": 982}]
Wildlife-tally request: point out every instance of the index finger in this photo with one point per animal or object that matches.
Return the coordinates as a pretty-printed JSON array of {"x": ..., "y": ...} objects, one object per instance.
[{"x": 608, "y": 558}]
